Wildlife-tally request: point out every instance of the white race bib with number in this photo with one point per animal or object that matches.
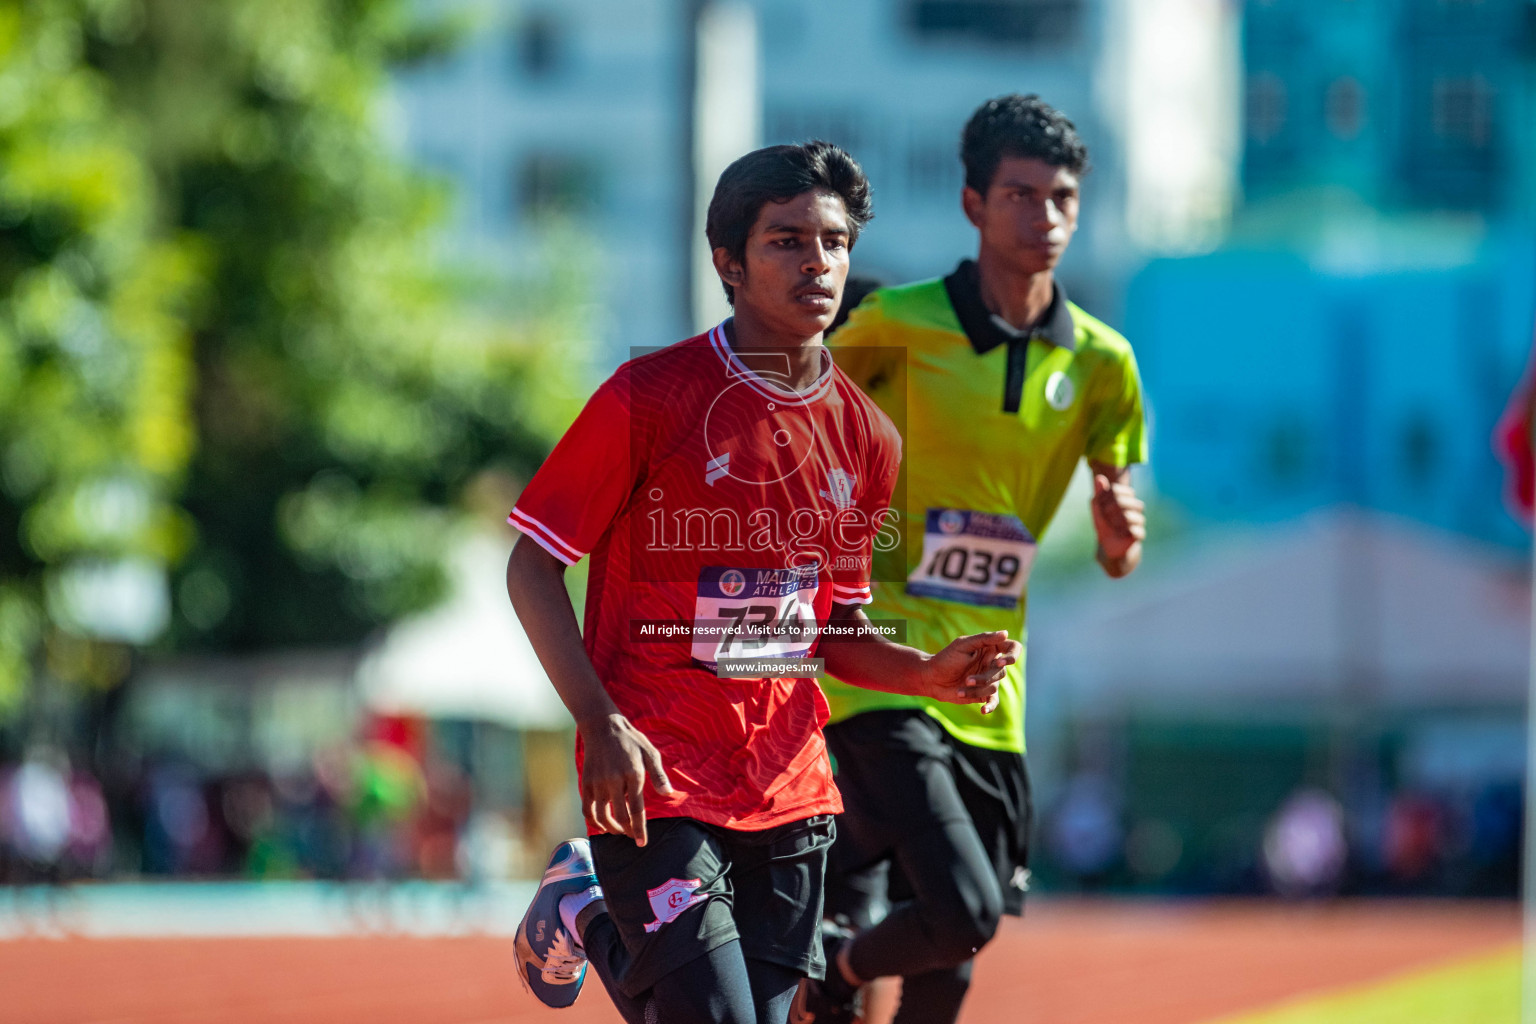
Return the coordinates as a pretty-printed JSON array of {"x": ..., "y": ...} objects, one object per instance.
[
  {"x": 753, "y": 613},
  {"x": 973, "y": 558}
]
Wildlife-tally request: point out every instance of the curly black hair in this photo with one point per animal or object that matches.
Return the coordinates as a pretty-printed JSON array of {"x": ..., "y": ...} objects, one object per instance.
[
  {"x": 1015, "y": 125},
  {"x": 777, "y": 174}
]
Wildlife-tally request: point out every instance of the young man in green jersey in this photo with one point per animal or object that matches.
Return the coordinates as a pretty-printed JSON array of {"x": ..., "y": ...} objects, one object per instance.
[{"x": 1005, "y": 386}]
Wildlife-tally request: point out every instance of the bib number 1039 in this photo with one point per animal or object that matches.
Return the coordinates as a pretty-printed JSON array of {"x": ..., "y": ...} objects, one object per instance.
[{"x": 976, "y": 558}]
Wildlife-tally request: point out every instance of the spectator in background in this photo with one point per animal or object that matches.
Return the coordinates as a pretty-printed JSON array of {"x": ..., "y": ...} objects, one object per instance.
[
  {"x": 1414, "y": 841},
  {"x": 35, "y": 815},
  {"x": 1084, "y": 831},
  {"x": 442, "y": 818},
  {"x": 1305, "y": 851},
  {"x": 387, "y": 787},
  {"x": 88, "y": 853},
  {"x": 176, "y": 820},
  {"x": 1497, "y": 817}
]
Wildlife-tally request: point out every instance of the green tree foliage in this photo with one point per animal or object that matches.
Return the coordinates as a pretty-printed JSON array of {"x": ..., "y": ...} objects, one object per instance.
[
  {"x": 95, "y": 355},
  {"x": 298, "y": 399}
]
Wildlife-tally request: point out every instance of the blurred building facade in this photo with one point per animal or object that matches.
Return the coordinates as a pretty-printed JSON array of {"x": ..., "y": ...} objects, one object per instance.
[
  {"x": 1281, "y": 383},
  {"x": 591, "y": 113},
  {"x": 1410, "y": 104},
  {"x": 1358, "y": 334},
  {"x": 1372, "y": 161},
  {"x": 565, "y": 115},
  {"x": 895, "y": 82}
]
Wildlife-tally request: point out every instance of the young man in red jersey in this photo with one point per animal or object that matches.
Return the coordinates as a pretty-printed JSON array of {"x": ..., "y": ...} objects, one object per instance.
[{"x": 729, "y": 489}]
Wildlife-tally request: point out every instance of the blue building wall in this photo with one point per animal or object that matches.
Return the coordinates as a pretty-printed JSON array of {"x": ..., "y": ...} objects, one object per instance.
[
  {"x": 1407, "y": 103},
  {"x": 1276, "y": 386},
  {"x": 1362, "y": 331}
]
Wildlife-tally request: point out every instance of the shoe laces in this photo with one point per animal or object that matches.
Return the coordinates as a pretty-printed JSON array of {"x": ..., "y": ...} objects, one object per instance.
[{"x": 562, "y": 961}]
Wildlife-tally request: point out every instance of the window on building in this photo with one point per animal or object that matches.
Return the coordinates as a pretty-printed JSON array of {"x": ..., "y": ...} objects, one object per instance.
[
  {"x": 840, "y": 127},
  {"x": 555, "y": 183},
  {"x": 1419, "y": 448},
  {"x": 1450, "y": 152},
  {"x": 933, "y": 168},
  {"x": 1028, "y": 22},
  {"x": 1344, "y": 107},
  {"x": 538, "y": 44},
  {"x": 1462, "y": 110},
  {"x": 1287, "y": 451},
  {"x": 1266, "y": 107}
]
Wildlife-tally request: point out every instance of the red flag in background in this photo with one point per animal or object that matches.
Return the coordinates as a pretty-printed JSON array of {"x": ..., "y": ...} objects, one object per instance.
[{"x": 1512, "y": 441}]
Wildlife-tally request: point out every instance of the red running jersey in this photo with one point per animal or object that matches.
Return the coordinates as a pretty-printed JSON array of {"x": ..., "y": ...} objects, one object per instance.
[{"x": 718, "y": 507}]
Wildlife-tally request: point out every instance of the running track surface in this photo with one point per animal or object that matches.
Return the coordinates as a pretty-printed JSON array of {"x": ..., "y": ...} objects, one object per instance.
[{"x": 1067, "y": 963}]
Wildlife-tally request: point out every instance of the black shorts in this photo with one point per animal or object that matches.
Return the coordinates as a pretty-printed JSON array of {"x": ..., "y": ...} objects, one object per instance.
[
  {"x": 694, "y": 887},
  {"x": 900, "y": 771}
]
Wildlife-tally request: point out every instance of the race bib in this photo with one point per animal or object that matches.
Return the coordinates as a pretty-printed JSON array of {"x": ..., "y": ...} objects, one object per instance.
[
  {"x": 753, "y": 613},
  {"x": 973, "y": 558}
]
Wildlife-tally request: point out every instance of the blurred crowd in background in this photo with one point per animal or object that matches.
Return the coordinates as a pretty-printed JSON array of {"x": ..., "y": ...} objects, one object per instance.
[
  {"x": 1405, "y": 843},
  {"x": 374, "y": 811}
]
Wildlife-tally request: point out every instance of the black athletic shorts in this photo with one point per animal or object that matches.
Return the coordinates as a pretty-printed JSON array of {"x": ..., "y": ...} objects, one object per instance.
[
  {"x": 694, "y": 887},
  {"x": 898, "y": 770}
]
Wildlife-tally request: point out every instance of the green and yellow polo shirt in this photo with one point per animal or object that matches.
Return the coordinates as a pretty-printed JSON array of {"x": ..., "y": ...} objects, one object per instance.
[{"x": 995, "y": 421}]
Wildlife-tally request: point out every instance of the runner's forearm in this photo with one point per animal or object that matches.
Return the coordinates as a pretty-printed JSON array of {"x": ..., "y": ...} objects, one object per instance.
[
  {"x": 871, "y": 661},
  {"x": 536, "y": 585}
]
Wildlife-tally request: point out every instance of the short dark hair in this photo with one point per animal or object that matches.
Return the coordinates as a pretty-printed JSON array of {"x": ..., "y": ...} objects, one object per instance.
[
  {"x": 775, "y": 175},
  {"x": 1015, "y": 125}
]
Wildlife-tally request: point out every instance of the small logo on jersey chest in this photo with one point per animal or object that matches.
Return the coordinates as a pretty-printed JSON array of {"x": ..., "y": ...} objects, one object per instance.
[
  {"x": 839, "y": 489},
  {"x": 1059, "y": 391}
]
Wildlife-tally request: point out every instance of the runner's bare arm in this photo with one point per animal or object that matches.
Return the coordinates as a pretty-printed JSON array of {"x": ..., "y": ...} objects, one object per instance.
[
  {"x": 1119, "y": 519},
  {"x": 967, "y": 671},
  {"x": 616, "y": 757}
]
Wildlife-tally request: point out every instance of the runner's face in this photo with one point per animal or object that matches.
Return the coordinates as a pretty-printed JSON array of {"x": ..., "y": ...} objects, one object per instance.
[
  {"x": 1028, "y": 214},
  {"x": 795, "y": 264}
]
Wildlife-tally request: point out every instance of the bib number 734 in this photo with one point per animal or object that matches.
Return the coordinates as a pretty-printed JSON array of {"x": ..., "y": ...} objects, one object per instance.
[
  {"x": 767, "y": 613},
  {"x": 749, "y": 629}
]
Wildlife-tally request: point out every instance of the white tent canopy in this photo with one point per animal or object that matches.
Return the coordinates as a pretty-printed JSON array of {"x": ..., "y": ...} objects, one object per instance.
[
  {"x": 468, "y": 658},
  {"x": 1340, "y": 606}
]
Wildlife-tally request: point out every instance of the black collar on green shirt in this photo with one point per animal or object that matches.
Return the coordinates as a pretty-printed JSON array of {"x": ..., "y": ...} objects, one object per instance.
[{"x": 987, "y": 330}]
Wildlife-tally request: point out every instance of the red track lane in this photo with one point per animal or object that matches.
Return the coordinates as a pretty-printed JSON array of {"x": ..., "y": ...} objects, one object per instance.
[
  {"x": 1068, "y": 963},
  {"x": 1103, "y": 963}
]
